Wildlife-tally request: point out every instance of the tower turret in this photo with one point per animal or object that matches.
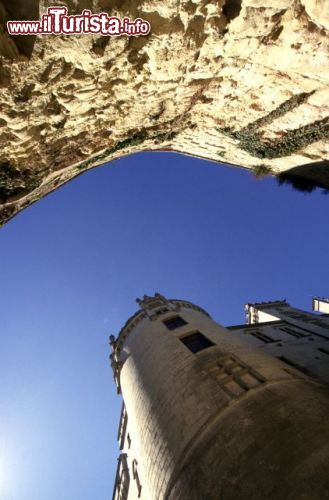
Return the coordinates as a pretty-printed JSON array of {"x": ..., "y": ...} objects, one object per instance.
[{"x": 206, "y": 415}]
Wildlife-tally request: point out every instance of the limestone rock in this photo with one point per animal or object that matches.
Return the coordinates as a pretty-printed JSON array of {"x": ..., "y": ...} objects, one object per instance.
[{"x": 240, "y": 82}]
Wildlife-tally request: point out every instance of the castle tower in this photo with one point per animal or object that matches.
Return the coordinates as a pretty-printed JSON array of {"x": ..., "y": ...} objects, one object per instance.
[
  {"x": 207, "y": 416},
  {"x": 321, "y": 305},
  {"x": 280, "y": 309}
]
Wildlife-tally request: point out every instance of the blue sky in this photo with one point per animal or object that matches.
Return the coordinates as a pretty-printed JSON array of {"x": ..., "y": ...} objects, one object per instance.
[{"x": 72, "y": 267}]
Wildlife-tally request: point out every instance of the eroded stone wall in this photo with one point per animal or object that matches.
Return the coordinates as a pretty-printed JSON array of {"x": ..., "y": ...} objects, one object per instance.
[{"x": 240, "y": 82}]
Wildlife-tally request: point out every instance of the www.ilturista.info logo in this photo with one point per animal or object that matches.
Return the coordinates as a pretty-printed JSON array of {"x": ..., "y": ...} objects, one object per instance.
[{"x": 56, "y": 21}]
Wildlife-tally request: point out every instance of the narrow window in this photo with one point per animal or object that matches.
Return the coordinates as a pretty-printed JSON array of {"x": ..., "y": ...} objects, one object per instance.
[
  {"x": 293, "y": 332},
  {"x": 122, "y": 427},
  {"x": 196, "y": 342},
  {"x": 261, "y": 336},
  {"x": 122, "y": 480},
  {"x": 175, "y": 322}
]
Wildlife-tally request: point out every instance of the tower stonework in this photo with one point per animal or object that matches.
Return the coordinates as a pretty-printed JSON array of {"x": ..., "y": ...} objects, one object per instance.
[
  {"x": 321, "y": 305},
  {"x": 208, "y": 415}
]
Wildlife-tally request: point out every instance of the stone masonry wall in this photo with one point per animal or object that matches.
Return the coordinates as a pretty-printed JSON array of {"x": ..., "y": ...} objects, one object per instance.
[{"x": 196, "y": 441}]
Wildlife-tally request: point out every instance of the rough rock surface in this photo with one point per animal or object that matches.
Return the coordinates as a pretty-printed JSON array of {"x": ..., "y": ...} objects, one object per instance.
[{"x": 240, "y": 82}]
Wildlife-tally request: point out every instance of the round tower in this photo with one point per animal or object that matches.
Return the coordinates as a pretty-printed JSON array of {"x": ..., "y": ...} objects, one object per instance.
[{"x": 210, "y": 417}]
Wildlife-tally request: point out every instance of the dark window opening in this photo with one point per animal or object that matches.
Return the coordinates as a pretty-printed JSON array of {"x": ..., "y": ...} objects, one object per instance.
[
  {"x": 261, "y": 336},
  {"x": 173, "y": 323},
  {"x": 122, "y": 427},
  {"x": 293, "y": 332},
  {"x": 196, "y": 342}
]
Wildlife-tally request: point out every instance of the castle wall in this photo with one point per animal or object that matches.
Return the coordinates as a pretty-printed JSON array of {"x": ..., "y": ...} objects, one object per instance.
[{"x": 297, "y": 337}]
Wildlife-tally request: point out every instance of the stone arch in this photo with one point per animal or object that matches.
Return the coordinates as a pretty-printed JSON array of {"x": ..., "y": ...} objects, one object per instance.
[{"x": 251, "y": 93}]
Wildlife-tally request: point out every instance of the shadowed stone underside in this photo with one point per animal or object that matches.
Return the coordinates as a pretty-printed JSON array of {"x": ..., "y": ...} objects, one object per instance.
[{"x": 244, "y": 83}]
